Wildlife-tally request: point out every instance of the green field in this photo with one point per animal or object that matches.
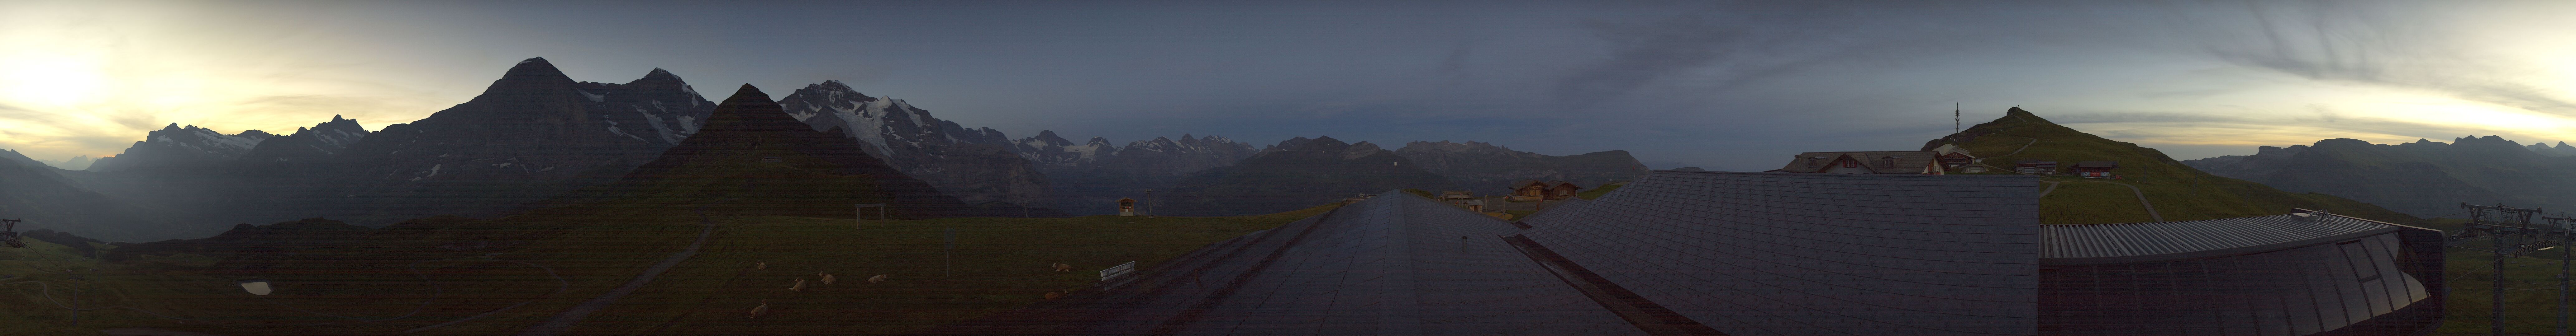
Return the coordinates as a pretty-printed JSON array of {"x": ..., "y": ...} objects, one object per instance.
[
  {"x": 2179, "y": 192},
  {"x": 2091, "y": 202},
  {"x": 998, "y": 264}
]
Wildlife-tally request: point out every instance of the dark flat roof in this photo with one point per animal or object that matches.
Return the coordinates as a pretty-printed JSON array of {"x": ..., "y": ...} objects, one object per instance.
[
  {"x": 1395, "y": 264},
  {"x": 1817, "y": 254}
]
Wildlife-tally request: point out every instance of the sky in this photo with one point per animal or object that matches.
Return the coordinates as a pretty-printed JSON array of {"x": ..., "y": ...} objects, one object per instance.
[{"x": 1721, "y": 85}]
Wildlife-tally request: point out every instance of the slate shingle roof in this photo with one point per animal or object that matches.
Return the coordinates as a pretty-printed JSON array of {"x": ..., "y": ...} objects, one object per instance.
[{"x": 1817, "y": 254}]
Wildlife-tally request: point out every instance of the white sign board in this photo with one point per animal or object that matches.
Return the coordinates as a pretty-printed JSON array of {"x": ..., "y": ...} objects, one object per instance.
[{"x": 1119, "y": 271}]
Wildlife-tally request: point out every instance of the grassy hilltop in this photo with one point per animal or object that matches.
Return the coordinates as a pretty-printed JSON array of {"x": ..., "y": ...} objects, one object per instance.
[{"x": 2178, "y": 192}]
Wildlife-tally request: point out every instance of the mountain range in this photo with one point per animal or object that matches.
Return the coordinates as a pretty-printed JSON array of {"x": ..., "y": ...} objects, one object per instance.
[
  {"x": 1294, "y": 174},
  {"x": 535, "y": 138},
  {"x": 976, "y": 165},
  {"x": 1089, "y": 178},
  {"x": 753, "y": 159},
  {"x": 2422, "y": 178},
  {"x": 1489, "y": 169}
]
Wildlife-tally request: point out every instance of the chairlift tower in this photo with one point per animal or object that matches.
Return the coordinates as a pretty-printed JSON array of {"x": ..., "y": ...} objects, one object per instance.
[
  {"x": 2565, "y": 229},
  {"x": 2510, "y": 233},
  {"x": 9, "y": 234}
]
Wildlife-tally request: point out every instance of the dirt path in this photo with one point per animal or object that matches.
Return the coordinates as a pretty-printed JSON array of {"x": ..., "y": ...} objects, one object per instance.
[
  {"x": 2033, "y": 141},
  {"x": 565, "y": 321},
  {"x": 2142, "y": 197}
]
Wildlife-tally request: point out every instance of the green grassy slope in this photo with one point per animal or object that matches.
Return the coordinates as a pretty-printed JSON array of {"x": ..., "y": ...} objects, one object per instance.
[
  {"x": 2179, "y": 192},
  {"x": 1000, "y": 263},
  {"x": 1597, "y": 192}
]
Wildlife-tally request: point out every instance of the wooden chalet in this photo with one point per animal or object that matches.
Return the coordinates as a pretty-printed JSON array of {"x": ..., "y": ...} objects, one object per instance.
[
  {"x": 1126, "y": 207},
  {"x": 2036, "y": 167},
  {"x": 1536, "y": 190},
  {"x": 1953, "y": 157},
  {"x": 1877, "y": 162},
  {"x": 2096, "y": 169}
]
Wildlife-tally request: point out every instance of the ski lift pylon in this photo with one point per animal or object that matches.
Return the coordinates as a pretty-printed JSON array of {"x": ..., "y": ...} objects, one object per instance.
[{"x": 9, "y": 234}]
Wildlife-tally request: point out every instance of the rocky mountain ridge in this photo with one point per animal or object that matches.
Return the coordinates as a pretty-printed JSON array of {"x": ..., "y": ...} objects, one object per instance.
[
  {"x": 975, "y": 165},
  {"x": 532, "y": 134},
  {"x": 1088, "y": 178},
  {"x": 2421, "y": 178},
  {"x": 176, "y": 147},
  {"x": 1294, "y": 174},
  {"x": 754, "y": 159}
]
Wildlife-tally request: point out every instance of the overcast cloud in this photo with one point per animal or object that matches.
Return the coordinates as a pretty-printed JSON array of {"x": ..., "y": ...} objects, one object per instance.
[{"x": 1724, "y": 85}]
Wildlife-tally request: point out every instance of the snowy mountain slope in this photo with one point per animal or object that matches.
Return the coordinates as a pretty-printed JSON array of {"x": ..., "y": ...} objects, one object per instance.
[
  {"x": 974, "y": 165},
  {"x": 1088, "y": 178}
]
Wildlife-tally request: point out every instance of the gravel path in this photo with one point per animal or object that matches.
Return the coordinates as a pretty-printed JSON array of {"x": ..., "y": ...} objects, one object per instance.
[{"x": 564, "y": 322}]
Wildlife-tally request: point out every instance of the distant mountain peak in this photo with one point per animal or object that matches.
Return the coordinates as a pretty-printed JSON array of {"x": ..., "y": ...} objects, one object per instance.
[{"x": 533, "y": 70}]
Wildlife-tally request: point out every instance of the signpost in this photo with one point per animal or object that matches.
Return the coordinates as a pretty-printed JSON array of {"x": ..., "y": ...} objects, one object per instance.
[
  {"x": 1117, "y": 273},
  {"x": 944, "y": 256}
]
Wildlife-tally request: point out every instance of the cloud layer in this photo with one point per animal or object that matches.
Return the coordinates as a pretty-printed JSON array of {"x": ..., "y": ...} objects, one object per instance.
[{"x": 1706, "y": 84}]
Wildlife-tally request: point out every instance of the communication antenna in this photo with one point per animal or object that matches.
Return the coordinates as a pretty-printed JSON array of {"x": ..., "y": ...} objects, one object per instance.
[{"x": 1954, "y": 118}]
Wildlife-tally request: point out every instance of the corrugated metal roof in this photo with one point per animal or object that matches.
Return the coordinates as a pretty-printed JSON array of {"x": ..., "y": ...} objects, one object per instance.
[
  {"x": 1817, "y": 254},
  {"x": 2153, "y": 238}
]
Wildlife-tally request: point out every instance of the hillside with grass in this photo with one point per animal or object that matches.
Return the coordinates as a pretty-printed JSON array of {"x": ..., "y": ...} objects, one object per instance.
[
  {"x": 2175, "y": 191},
  {"x": 490, "y": 277},
  {"x": 733, "y": 218}
]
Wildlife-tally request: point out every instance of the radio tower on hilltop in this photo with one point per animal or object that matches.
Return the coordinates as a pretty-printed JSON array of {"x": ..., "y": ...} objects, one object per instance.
[{"x": 1954, "y": 123}]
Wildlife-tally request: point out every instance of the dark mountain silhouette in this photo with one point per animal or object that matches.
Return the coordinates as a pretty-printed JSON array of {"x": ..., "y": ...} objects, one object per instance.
[
  {"x": 45, "y": 199},
  {"x": 752, "y": 158},
  {"x": 2421, "y": 178},
  {"x": 186, "y": 148},
  {"x": 1089, "y": 178},
  {"x": 531, "y": 135},
  {"x": 1295, "y": 174},
  {"x": 1489, "y": 169}
]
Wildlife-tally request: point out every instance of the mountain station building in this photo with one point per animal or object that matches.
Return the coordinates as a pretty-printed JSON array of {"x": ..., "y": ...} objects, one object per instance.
[
  {"x": 1881, "y": 162},
  {"x": 1731, "y": 253}
]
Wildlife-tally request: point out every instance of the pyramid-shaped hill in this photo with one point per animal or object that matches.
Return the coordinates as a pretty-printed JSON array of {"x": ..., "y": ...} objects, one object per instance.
[
  {"x": 753, "y": 159},
  {"x": 2177, "y": 192}
]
